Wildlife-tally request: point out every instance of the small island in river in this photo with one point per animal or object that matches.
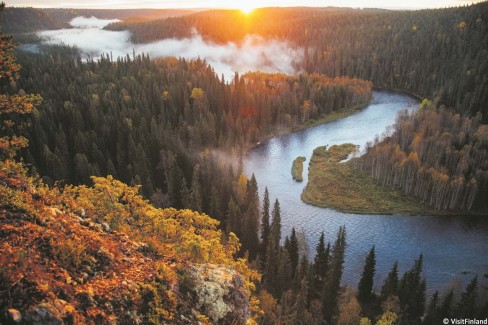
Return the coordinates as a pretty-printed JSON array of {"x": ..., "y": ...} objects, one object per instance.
[
  {"x": 297, "y": 168},
  {"x": 338, "y": 185}
]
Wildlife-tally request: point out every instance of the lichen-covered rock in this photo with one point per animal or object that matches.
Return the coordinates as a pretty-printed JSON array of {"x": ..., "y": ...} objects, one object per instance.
[
  {"x": 220, "y": 294},
  {"x": 49, "y": 313}
]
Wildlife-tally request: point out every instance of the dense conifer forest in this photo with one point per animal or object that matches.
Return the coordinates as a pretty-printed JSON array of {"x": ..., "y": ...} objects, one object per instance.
[
  {"x": 425, "y": 52},
  {"x": 171, "y": 134}
]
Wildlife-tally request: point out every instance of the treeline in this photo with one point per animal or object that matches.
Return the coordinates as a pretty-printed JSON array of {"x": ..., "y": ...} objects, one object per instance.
[
  {"x": 429, "y": 52},
  {"x": 152, "y": 122},
  {"x": 295, "y": 290},
  {"x": 435, "y": 155},
  {"x": 29, "y": 20}
]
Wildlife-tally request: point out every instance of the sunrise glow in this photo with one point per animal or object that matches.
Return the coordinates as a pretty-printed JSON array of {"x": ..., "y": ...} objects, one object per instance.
[{"x": 246, "y": 9}]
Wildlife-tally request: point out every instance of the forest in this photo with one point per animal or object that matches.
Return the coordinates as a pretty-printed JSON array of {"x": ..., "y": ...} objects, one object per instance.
[
  {"x": 435, "y": 155},
  {"x": 424, "y": 52},
  {"x": 170, "y": 133}
]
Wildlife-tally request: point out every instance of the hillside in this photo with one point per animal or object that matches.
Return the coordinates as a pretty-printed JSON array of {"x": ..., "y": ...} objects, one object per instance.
[
  {"x": 29, "y": 20},
  {"x": 103, "y": 254}
]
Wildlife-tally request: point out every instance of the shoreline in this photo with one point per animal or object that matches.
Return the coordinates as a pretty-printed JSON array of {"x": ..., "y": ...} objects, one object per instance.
[
  {"x": 312, "y": 123},
  {"x": 435, "y": 213},
  {"x": 343, "y": 187}
]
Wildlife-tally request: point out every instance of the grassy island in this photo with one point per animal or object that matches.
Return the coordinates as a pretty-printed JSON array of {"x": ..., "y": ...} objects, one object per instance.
[
  {"x": 297, "y": 168},
  {"x": 342, "y": 187}
]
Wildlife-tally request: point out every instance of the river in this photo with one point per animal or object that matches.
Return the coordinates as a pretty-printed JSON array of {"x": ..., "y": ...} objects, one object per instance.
[{"x": 454, "y": 248}]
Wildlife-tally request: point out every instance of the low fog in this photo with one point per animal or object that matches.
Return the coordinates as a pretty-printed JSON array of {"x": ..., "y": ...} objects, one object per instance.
[{"x": 254, "y": 54}]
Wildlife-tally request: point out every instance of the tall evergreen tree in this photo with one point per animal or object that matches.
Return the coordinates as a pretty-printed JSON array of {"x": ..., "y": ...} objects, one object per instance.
[
  {"x": 273, "y": 255},
  {"x": 390, "y": 287},
  {"x": 446, "y": 309},
  {"x": 432, "y": 315},
  {"x": 284, "y": 273},
  {"x": 334, "y": 275},
  {"x": 265, "y": 228},
  {"x": 320, "y": 267},
  {"x": 365, "y": 285},
  {"x": 195, "y": 192},
  {"x": 411, "y": 291},
  {"x": 250, "y": 239},
  {"x": 467, "y": 303},
  {"x": 293, "y": 251}
]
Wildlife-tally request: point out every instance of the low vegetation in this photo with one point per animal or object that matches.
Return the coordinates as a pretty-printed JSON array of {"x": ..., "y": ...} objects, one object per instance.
[
  {"x": 343, "y": 187},
  {"x": 297, "y": 168}
]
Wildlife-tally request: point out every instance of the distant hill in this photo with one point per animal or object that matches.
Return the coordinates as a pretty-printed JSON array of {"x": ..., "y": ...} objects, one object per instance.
[{"x": 28, "y": 20}]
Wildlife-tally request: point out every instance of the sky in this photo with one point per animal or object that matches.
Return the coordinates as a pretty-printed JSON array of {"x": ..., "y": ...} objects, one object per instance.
[{"x": 247, "y": 5}]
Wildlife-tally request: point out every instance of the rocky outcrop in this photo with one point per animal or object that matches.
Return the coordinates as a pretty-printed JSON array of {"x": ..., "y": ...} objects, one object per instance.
[{"x": 220, "y": 294}]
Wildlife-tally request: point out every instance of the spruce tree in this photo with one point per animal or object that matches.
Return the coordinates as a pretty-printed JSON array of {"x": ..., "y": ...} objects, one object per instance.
[
  {"x": 320, "y": 266},
  {"x": 432, "y": 315},
  {"x": 390, "y": 287},
  {"x": 446, "y": 309},
  {"x": 273, "y": 255},
  {"x": 250, "y": 240},
  {"x": 366, "y": 282},
  {"x": 265, "y": 228},
  {"x": 334, "y": 275},
  {"x": 467, "y": 303},
  {"x": 411, "y": 291},
  {"x": 195, "y": 192},
  {"x": 293, "y": 251}
]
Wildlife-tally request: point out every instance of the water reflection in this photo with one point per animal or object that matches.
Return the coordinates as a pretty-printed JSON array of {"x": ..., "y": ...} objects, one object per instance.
[{"x": 452, "y": 247}]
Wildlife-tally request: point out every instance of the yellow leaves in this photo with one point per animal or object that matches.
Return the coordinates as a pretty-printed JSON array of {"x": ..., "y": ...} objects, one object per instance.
[
  {"x": 197, "y": 94},
  {"x": 233, "y": 245},
  {"x": 10, "y": 146}
]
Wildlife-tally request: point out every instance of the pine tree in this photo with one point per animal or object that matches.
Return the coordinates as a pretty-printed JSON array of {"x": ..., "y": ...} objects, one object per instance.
[
  {"x": 446, "y": 309},
  {"x": 284, "y": 274},
  {"x": 411, "y": 291},
  {"x": 432, "y": 315},
  {"x": 293, "y": 251},
  {"x": 365, "y": 285},
  {"x": 273, "y": 255},
  {"x": 250, "y": 240},
  {"x": 334, "y": 275},
  {"x": 467, "y": 303},
  {"x": 301, "y": 303},
  {"x": 265, "y": 229},
  {"x": 195, "y": 192},
  {"x": 390, "y": 287},
  {"x": 320, "y": 267}
]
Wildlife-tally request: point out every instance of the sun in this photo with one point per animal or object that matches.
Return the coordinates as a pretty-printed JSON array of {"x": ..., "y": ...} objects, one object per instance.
[{"x": 247, "y": 7}]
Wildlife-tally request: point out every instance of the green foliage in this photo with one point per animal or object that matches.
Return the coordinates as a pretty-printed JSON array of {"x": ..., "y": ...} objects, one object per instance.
[
  {"x": 411, "y": 291},
  {"x": 365, "y": 285},
  {"x": 467, "y": 302},
  {"x": 390, "y": 286},
  {"x": 428, "y": 52},
  {"x": 332, "y": 282}
]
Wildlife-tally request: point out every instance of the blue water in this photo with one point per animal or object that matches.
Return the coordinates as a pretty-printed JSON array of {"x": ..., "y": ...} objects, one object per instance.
[{"x": 454, "y": 248}]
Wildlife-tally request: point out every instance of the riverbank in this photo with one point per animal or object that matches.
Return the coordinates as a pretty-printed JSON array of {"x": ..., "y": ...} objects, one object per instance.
[
  {"x": 343, "y": 187},
  {"x": 312, "y": 123}
]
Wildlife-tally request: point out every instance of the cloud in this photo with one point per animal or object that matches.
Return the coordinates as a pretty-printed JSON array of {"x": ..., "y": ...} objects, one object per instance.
[
  {"x": 92, "y": 22},
  {"x": 253, "y": 54}
]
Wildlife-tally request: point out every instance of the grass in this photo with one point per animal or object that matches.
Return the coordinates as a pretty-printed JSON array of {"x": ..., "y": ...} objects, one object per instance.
[
  {"x": 297, "y": 168},
  {"x": 342, "y": 187}
]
